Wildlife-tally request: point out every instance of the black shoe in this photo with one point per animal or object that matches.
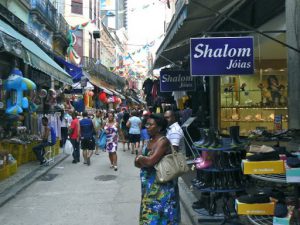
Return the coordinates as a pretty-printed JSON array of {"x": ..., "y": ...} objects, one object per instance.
[
  {"x": 43, "y": 162},
  {"x": 255, "y": 198},
  {"x": 264, "y": 156},
  {"x": 74, "y": 161}
]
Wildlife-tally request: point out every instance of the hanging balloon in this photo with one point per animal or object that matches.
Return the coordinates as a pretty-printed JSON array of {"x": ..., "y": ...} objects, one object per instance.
[
  {"x": 91, "y": 93},
  {"x": 102, "y": 97},
  {"x": 118, "y": 100}
]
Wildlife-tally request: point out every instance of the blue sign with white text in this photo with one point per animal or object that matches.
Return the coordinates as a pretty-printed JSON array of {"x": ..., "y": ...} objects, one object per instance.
[
  {"x": 216, "y": 56},
  {"x": 176, "y": 81}
]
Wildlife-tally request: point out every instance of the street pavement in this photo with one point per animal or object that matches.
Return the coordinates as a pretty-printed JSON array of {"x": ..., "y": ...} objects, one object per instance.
[{"x": 71, "y": 194}]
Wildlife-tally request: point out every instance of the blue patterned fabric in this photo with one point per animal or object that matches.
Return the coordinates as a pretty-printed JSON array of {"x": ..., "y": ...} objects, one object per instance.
[{"x": 158, "y": 204}]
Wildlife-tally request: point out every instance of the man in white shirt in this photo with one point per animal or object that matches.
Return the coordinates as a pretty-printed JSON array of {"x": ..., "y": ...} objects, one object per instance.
[
  {"x": 176, "y": 137},
  {"x": 174, "y": 131}
]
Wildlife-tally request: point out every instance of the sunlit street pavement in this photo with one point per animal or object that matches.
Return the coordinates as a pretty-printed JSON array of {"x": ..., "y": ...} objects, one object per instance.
[{"x": 72, "y": 194}]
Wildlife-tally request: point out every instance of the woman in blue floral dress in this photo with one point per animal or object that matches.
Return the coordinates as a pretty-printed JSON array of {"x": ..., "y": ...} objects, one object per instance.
[
  {"x": 158, "y": 203},
  {"x": 111, "y": 128}
]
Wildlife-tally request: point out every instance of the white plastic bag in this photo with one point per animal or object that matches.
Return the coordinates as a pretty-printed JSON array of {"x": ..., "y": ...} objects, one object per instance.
[{"x": 68, "y": 149}]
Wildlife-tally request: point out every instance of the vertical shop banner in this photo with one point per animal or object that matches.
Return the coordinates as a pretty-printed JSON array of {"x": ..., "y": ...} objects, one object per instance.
[
  {"x": 221, "y": 56},
  {"x": 176, "y": 81}
]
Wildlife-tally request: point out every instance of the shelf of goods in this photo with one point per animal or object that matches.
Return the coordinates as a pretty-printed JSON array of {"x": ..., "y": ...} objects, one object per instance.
[
  {"x": 228, "y": 179},
  {"x": 276, "y": 178}
]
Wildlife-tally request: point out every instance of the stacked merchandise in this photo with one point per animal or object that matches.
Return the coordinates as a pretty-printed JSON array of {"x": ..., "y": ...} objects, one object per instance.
[
  {"x": 219, "y": 175},
  {"x": 272, "y": 165}
]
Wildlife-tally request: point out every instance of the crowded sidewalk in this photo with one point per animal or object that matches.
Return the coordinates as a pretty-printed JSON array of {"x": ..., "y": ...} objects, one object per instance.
[{"x": 79, "y": 194}]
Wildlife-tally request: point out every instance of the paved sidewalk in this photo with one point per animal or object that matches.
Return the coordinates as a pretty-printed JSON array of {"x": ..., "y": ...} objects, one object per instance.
[
  {"x": 26, "y": 175},
  {"x": 126, "y": 188}
]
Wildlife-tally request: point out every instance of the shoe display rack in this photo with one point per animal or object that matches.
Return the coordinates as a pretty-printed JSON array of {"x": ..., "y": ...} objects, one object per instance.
[
  {"x": 276, "y": 178},
  {"x": 222, "y": 177}
]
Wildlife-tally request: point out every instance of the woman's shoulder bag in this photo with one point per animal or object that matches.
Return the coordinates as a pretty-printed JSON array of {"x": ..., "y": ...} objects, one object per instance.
[{"x": 171, "y": 166}]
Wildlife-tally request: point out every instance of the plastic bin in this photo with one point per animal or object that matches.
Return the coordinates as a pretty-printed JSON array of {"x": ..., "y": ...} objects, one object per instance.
[
  {"x": 4, "y": 173},
  {"x": 18, "y": 153},
  {"x": 12, "y": 168}
]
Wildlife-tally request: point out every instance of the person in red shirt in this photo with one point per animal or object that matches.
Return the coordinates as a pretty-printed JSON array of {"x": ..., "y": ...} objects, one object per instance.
[{"x": 74, "y": 132}]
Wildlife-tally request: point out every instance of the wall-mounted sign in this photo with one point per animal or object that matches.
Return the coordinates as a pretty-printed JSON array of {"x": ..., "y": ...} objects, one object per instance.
[
  {"x": 176, "y": 81},
  {"x": 216, "y": 56}
]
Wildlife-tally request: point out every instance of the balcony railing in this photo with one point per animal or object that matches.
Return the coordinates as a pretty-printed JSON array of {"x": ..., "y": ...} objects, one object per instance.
[
  {"x": 102, "y": 72},
  {"x": 62, "y": 26},
  {"x": 46, "y": 11}
]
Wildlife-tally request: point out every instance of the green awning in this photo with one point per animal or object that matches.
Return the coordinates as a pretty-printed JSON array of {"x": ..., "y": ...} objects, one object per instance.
[{"x": 36, "y": 57}]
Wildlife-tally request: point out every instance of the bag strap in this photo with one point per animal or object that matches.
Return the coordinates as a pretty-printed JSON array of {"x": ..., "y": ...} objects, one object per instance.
[{"x": 173, "y": 151}]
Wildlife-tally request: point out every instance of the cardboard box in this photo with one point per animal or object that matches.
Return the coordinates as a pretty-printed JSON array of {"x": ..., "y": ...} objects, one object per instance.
[
  {"x": 262, "y": 209},
  {"x": 292, "y": 175},
  {"x": 263, "y": 167},
  {"x": 281, "y": 221}
]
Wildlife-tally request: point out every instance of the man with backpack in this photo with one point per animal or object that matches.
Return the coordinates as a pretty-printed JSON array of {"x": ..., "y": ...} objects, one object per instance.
[{"x": 48, "y": 137}]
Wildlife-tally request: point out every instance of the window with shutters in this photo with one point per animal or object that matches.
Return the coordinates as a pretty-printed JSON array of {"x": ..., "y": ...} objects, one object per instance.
[{"x": 76, "y": 6}]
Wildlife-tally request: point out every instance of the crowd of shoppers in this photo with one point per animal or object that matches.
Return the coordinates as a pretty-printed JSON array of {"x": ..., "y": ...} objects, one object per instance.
[{"x": 159, "y": 201}]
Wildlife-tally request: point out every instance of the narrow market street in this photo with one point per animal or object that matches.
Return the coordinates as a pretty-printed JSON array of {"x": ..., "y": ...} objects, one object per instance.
[{"x": 72, "y": 194}]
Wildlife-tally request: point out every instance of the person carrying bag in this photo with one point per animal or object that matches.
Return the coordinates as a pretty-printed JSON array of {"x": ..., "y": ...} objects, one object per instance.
[{"x": 171, "y": 166}]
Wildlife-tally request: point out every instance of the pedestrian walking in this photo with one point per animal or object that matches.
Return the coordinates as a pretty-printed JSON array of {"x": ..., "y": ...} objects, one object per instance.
[
  {"x": 124, "y": 130},
  {"x": 74, "y": 134},
  {"x": 87, "y": 132},
  {"x": 134, "y": 124},
  {"x": 144, "y": 133},
  {"x": 158, "y": 203},
  {"x": 111, "y": 128},
  {"x": 98, "y": 125}
]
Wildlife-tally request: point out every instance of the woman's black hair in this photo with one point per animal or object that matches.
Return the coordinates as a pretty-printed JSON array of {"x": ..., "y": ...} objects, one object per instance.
[{"x": 160, "y": 121}]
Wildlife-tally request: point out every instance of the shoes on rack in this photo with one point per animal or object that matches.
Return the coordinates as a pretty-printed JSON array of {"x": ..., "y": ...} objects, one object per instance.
[
  {"x": 234, "y": 132},
  {"x": 210, "y": 139},
  {"x": 203, "y": 138},
  {"x": 264, "y": 156},
  {"x": 254, "y": 198},
  {"x": 204, "y": 164},
  {"x": 260, "y": 149},
  {"x": 293, "y": 162},
  {"x": 281, "y": 210},
  {"x": 273, "y": 193}
]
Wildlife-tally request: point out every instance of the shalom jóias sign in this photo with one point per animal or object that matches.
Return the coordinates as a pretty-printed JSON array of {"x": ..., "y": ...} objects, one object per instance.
[{"x": 216, "y": 56}]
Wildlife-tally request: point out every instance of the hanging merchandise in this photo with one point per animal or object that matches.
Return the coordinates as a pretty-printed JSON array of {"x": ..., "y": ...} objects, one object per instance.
[
  {"x": 86, "y": 99},
  {"x": 79, "y": 105},
  {"x": 103, "y": 97},
  {"x": 17, "y": 84},
  {"x": 111, "y": 99}
]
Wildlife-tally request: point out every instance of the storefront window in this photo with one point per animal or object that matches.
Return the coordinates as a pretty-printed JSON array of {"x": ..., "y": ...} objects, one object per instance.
[{"x": 257, "y": 101}]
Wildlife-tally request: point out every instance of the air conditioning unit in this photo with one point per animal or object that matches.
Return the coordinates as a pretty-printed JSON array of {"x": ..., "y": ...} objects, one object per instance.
[{"x": 96, "y": 34}]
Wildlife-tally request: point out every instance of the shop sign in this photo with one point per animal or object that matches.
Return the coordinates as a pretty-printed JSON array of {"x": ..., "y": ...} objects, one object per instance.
[
  {"x": 178, "y": 80},
  {"x": 221, "y": 56}
]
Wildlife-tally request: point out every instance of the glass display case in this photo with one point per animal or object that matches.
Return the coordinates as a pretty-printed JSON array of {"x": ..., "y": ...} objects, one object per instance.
[{"x": 254, "y": 102}]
